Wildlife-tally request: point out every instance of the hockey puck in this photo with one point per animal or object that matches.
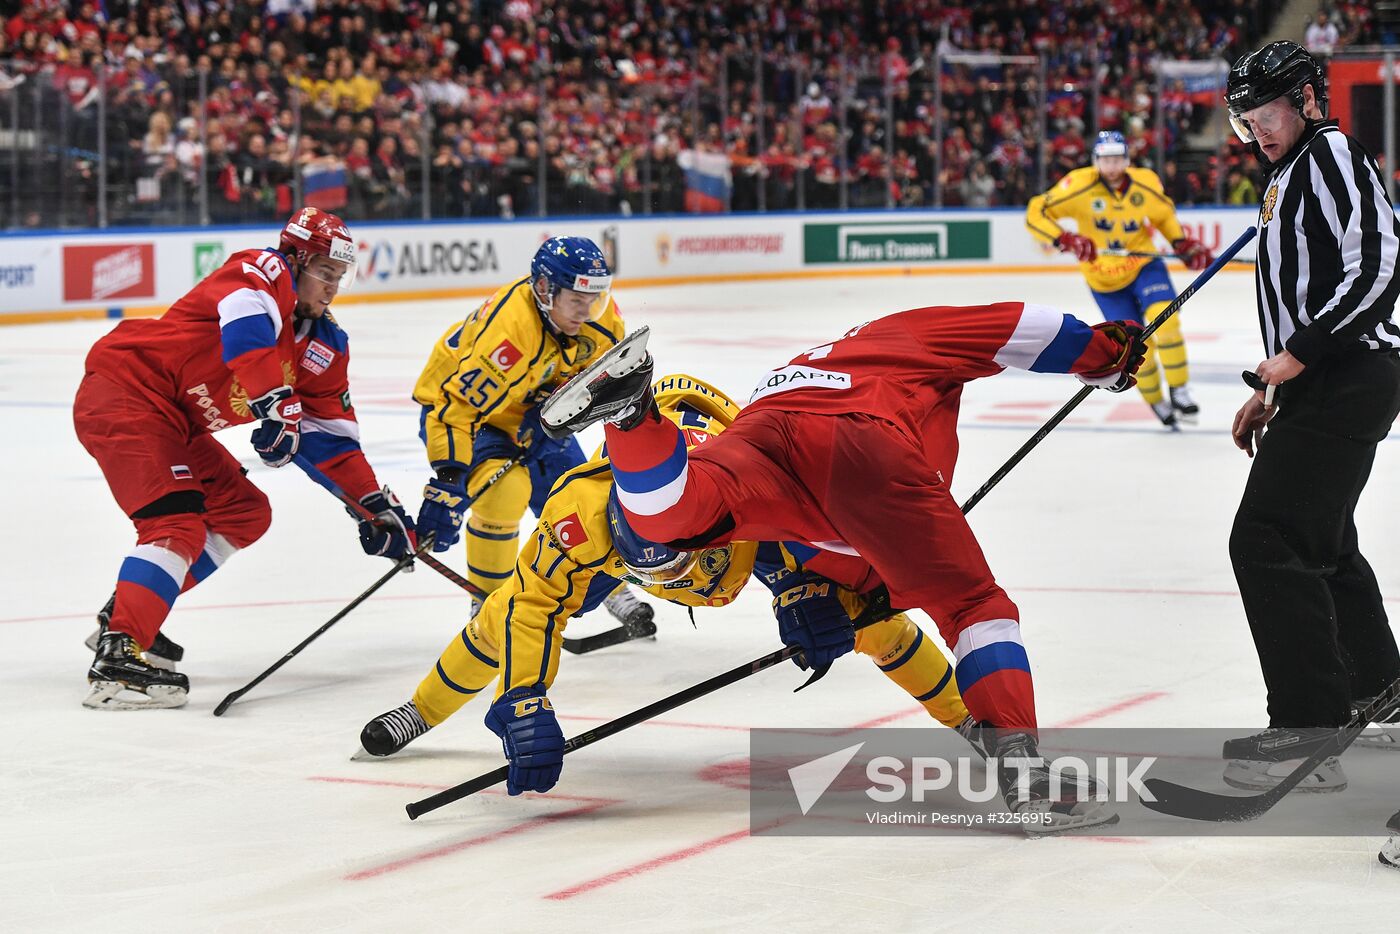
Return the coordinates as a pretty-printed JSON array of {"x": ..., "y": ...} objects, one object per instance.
[{"x": 1252, "y": 380}]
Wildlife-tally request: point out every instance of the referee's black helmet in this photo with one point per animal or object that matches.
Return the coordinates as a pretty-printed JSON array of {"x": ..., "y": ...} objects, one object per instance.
[{"x": 1266, "y": 74}]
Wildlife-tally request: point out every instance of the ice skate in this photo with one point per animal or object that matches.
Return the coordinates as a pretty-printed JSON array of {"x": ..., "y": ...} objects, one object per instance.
[
  {"x": 614, "y": 387},
  {"x": 390, "y": 732},
  {"x": 1390, "y": 853},
  {"x": 634, "y": 615},
  {"x": 1166, "y": 414},
  {"x": 1185, "y": 406},
  {"x": 1027, "y": 789},
  {"x": 971, "y": 731},
  {"x": 1383, "y": 733},
  {"x": 121, "y": 679},
  {"x": 1261, "y": 761},
  {"x": 163, "y": 653}
]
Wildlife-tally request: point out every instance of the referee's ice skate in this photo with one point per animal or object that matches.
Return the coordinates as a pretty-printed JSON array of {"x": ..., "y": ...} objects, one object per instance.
[{"x": 1261, "y": 761}]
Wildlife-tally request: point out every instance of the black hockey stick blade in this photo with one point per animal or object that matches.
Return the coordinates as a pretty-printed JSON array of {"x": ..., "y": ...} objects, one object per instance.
[
  {"x": 1194, "y": 804},
  {"x": 615, "y": 636},
  {"x": 399, "y": 565},
  {"x": 876, "y": 610}
]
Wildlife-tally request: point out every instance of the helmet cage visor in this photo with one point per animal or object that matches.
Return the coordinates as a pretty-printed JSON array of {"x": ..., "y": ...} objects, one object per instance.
[
  {"x": 1265, "y": 119},
  {"x": 673, "y": 568},
  {"x": 595, "y": 290}
]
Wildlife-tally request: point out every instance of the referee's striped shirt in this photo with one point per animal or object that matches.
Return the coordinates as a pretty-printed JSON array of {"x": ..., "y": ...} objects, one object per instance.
[{"x": 1327, "y": 251}]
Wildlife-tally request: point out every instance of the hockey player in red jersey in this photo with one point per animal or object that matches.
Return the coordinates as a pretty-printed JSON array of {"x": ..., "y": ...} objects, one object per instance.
[
  {"x": 252, "y": 342},
  {"x": 851, "y": 447}
]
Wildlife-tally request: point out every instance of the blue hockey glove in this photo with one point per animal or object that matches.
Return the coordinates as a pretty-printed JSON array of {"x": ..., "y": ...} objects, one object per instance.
[
  {"x": 539, "y": 447},
  {"x": 444, "y": 507},
  {"x": 278, "y": 438},
  {"x": 810, "y": 616},
  {"x": 390, "y": 533},
  {"x": 530, "y": 735}
]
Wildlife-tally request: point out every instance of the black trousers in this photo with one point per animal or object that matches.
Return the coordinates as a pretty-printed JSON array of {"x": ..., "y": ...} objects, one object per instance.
[{"x": 1312, "y": 600}]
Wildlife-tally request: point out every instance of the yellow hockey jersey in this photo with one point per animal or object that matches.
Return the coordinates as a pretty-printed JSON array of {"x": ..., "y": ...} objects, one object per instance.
[
  {"x": 493, "y": 367},
  {"x": 1122, "y": 220}
]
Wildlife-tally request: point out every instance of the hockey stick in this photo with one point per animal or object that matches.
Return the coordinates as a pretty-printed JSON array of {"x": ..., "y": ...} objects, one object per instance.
[
  {"x": 1194, "y": 804},
  {"x": 1249, "y": 260},
  {"x": 1083, "y": 393},
  {"x": 404, "y": 563},
  {"x": 399, "y": 565},
  {"x": 358, "y": 509},
  {"x": 610, "y": 637},
  {"x": 876, "y": 610}
]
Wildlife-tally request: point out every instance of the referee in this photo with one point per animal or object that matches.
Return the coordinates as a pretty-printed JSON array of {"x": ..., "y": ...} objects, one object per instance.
[{"x": 1326, "y": 290}]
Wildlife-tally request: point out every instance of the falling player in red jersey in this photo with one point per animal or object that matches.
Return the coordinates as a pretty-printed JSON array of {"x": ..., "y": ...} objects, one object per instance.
[
  {"x": 851, "y": 447},
  {"x": 252, "y": 342}
]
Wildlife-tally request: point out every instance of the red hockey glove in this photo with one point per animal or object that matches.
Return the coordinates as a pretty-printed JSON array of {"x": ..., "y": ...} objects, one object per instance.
[
  {"x": 1193, "y": 253},
  {"x": 1118, "y": 376},
  {"x": 1081, "y": 246}
]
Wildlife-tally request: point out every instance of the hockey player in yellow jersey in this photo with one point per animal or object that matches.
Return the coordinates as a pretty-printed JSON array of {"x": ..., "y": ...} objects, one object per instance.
[
  {"x": 1115, "y": 207},
  {"x": 582, "y": 549},
  {"x": 480, "y": 393}
]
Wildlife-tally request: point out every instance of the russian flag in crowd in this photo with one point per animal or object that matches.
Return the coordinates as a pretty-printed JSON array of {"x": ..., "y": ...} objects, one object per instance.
[
  {"x": 707, "y": 181},
  {"x": 323, "y": 186}
]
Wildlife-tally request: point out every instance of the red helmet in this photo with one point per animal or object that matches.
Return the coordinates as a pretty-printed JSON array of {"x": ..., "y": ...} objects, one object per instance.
[{"x": 312, "y": 232}]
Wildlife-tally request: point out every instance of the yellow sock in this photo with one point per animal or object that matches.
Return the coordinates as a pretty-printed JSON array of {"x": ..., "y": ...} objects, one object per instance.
[
  {"x": 1149, "y": 377},
  {"x": 915, "y": 663},
  {"x": 469, "y": 664},
  {"x": 493, "y": 528},
  {"x": 1171, "y": 347}
]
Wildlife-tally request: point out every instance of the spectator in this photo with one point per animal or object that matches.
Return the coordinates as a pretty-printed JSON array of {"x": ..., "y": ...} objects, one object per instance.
[
  {"x": 978, "y": 189},
  {"x": 1321, "y": 36},
  {"x": 1241, "y": 189}
]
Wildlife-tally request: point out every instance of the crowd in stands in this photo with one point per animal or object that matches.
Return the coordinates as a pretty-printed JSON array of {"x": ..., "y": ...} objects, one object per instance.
[
  {"x": 1347, "y": 22},
  {"x": 404, "y": 108}
]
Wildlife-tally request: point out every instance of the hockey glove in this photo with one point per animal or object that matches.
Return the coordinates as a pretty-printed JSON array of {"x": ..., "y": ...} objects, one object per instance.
[
  {"x": 278, "y": 438},
  {"x": 539, "y": 447},
  {"x": 390, "y": 533},
  {"x": 810, "y": 616},
  {"x": 444, "y": 507},
  {"x": 1081, "y": 246},
  {"x": 1119, "y": 375},
  {"x": 1193, "y": 253},
  {"x": 530, "y": 736}
]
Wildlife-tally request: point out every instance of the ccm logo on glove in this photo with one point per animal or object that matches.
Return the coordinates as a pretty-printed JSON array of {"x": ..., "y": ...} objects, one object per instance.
[
  {"x": 803, "y": 592},
  {"x": 530, "y": 705}
]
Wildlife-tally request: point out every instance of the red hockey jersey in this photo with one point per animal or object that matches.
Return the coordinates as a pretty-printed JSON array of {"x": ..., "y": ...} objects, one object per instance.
[
  {"x": 233, "y": 338},
  {"x": 909, "y": 368}
]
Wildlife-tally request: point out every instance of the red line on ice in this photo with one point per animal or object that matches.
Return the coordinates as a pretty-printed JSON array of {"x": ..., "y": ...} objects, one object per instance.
[
  {"x": 384, "y": 783},
  {"x": 532, "y": 823},
  {"x": 657, "y": 862},
  {"x": 1112, "y": 709}
]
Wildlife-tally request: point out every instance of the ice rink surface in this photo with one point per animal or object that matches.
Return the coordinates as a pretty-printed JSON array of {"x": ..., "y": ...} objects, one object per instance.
[{"x": 1111, "y": 537}]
